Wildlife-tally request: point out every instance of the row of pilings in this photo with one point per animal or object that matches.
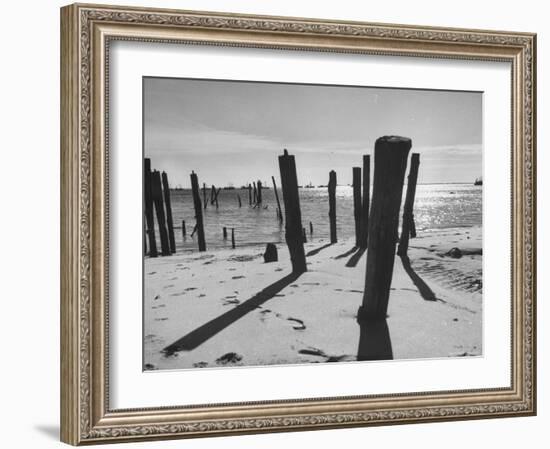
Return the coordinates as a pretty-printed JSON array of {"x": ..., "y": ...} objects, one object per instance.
[{"x": 376, "y": 219}]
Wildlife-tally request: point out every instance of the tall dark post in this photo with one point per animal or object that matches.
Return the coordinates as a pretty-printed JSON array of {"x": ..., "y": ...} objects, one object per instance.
[
  {"x": 357, "y": 204},
  {"x": 364, "y": 232},
  {"x": 224, "y": 231},
  {"x": 249, "y": 195},
  {"x": 183, "y": 232},
  {"x": 255, "y": 193},
  {"x": 311, "y": 228},
  {"x": 279, "y": 213},
  {"x": 390, "y": 164},
  {"x": 304, "y": 235},
  {"x": 216, "y": 193},
  {"x": 259, "y": 192},
  {"x": 212, "y": 194},
  {"x": 239, "y": 200},
  {"x": 156, "y": 192},
  {"x": 198, "y": 210},
  {"x": 204, "y": 194},
  {"x": 293, "y": 216},
  {"x": 168, "y": 205},
  {"x": 407, "y": 225},
  {"x": 233, "y": 238},
  {"x": 332, "y": 205},
  {"x": 149, "y": 214}
]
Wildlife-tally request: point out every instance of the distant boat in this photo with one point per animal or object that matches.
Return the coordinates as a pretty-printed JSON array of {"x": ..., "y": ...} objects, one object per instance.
[
  {"x": 478, "y": 182},
  {"x": 310, "y": 186}
]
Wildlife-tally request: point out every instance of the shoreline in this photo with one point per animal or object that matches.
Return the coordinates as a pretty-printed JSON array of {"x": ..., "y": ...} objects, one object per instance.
[{"x": 226, "y": 307}]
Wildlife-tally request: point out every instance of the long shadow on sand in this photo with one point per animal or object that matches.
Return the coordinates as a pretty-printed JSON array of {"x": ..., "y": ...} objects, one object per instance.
[
  {"x": 374, "y": 341},
  {"x": 425, "y": 291},
  {"x": 315, "y": 251},
  {"x": 347, "y": 253},
  {"x": 197, "y": 337},
  {"x": 354, "y": 260}
]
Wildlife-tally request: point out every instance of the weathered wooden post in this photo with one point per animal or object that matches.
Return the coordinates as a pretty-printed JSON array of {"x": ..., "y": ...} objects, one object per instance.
[
  {"x": 279, "y": 213},
  {"x": 217, "y": 192},
  {"x": 304, "y": 235},
  {"x": 249, "y": 194},
  {"x": 365, "y": 203},
  {"x": 293, "y": 215},
  {"x": 224, "y": 233},
  {"x": 259, "y": 192},
  {"x": 332, "y": 205},
  {"x": 149, "y": 214},
  {"x": 390, "y": 164},
  {"x": 198, "y": 211},
  {"x": 255, "y": 193},
  {"x": 168, "y": 205},
  {"x": 311, "y": 228},
  {"x": 156, "y": 191},
  {"x": 212, "y": 194},
  {"x": 407, "y": 225},
  {"x": 357, "y": 204},
  {"x": 204, "y": 194},
  {"x": 239, "y": 200},
  {"x": 183, "y": 229},
  {"x": 233, "y": 238}
]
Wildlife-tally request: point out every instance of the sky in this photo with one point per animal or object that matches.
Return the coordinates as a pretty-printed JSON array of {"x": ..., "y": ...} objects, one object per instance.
[{"x": 230, "y": 133}]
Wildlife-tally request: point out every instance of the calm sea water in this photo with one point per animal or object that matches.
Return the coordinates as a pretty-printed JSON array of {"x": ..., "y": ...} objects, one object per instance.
[{"x": 436, "y": 206}]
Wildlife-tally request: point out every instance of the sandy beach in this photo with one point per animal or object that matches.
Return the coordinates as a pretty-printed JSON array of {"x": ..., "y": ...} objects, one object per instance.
[{"x": 228, "y": 308}]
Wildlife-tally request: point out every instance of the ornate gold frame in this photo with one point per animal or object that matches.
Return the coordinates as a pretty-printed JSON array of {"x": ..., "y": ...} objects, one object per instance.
[{"x": 86, "y": 31}]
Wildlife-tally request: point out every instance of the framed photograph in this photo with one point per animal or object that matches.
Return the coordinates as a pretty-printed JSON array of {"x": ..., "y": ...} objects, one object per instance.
[{"x": 280, "y": 224}]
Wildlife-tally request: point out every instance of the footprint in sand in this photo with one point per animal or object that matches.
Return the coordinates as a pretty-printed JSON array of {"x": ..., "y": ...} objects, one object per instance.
[
  {"x": 202, "y": 295},
  {"x": 238, "y": 277},
  {"x": 168, "y": 286},
  {"x": 354, "y": 291},
  {"x": 161, "y": 319},
  {"x": 189, "y": 289},
  {"x": 156, "y": 297},
  {"x": 178, "y": 294},
  {"x": 301, "y": 326},
  {"x": 278, "y": 269},
  {"x": 152, "y": 272},
  {"x": 231, "y": 301}
]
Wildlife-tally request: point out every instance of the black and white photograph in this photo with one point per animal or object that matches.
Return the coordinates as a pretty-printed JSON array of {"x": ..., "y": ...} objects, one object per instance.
[{"x": 305, "y": 223}]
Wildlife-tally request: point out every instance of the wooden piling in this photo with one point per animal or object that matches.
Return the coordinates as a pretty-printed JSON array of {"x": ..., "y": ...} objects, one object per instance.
[
  {"x": 390, "y": 163},
  {"x": 216, "y": 198},
  {"x": 255, "y": 193},
  {"x": 259, "y": 184},
  {"x": 149, "y": 214},
  {"x": 168, "y": 206},
  {"x": 183, "y": 229},
  {"x": 156, "y": 192},
  {"x": 249, "y": 194},
  {"x": 198, "y": 211},
  {"x": 279, "y": 213},
  {"x": 233, "y": 238},
  {"x": 357, "y": 204},
  {"x": 304, "y": 235},
  {"x": 364, "y": 231},
  {"x": 332, "y": 205},
  {"x": 310, "y": 228},
  {"x": 293, "y": 216},
  {"x": 224, "y": 232},
  {"x": 212, "y": 194},
  {"x": 239, "y": 200},
  {"x": 204, "y": 194},
  {"x": 407, "y": 225}
]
